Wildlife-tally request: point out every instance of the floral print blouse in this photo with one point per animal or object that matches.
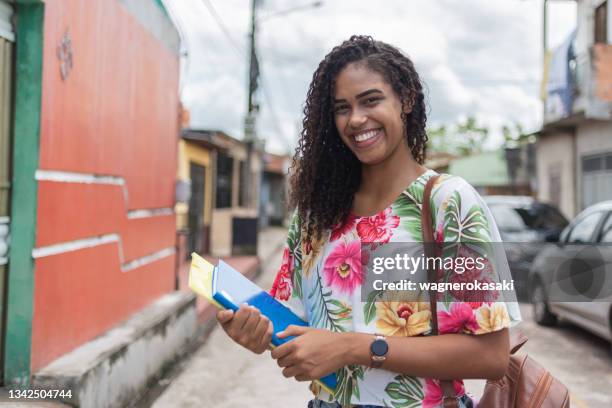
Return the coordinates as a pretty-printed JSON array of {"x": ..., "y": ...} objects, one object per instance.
[{"x": 320, "y": 281}]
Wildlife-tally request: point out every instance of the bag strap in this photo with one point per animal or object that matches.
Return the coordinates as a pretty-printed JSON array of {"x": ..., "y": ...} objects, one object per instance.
[{"x": 448, "y": 388}]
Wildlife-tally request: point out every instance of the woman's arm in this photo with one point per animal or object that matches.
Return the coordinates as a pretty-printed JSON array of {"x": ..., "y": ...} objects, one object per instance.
[
  {"x": 315, "y": 353},
  {"x": 446, "y": 357}
]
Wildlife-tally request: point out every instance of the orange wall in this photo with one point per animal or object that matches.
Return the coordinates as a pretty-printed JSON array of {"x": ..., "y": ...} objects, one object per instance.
[{"x": 115, "y": 115}]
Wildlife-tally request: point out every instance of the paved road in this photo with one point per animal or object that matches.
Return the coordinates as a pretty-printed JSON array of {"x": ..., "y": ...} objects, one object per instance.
[
  {"x": 223, "y": 375},
  {"x": 580, "y": 360}
]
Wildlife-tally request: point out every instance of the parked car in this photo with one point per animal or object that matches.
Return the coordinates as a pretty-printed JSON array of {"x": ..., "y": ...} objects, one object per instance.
[
  {"x": 524, "y": 225},
  {"x": 582, "y": 257}
]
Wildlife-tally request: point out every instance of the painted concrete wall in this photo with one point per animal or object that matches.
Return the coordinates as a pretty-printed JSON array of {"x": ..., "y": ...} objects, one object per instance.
[
  {"x": 106, "y": 228},
  {"x": 555, "y": 154}
]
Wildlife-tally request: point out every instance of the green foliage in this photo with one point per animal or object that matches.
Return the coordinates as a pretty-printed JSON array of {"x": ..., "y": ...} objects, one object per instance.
[
  {"x": 463, "y": 138},
  {"x": 405, "y": 392},
  {"x": 369, "y": 309},
  {"x": 328, "y": 312},
  {"x": 348, "y": 383}
]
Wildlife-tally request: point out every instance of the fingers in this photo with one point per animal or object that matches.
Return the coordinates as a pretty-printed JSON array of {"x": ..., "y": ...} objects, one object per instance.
[
  {"x": 286, "y": 361},
  {"x": 224, "y": 316},
  {"x": 291, "y": 371},
  {"x": 247, "y": 327},
  {"x": 292, "y": 330},
  {"x": 262, "y": 331},
  {"x": 251, "y": 322},
  {"x": 240, "y": 317},
  {"x": 282, "y": 351}
]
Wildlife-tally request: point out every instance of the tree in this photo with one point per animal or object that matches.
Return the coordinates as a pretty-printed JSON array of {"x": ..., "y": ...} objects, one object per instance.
[{"x": 463, "y": 138}]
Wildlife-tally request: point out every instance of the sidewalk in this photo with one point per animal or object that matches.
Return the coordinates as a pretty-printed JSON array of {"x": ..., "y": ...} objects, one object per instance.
[{"x": 222, "y": 374}]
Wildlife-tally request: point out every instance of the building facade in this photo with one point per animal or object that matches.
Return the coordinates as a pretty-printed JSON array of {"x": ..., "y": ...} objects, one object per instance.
[
  {"x": 231, "y": 205},
  {"x": 92, "y": 152},
  {"x": 574, "y": 154}
]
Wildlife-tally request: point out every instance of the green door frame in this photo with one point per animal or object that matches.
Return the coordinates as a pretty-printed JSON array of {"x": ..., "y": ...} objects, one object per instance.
[{"x": 26, "y": 138}]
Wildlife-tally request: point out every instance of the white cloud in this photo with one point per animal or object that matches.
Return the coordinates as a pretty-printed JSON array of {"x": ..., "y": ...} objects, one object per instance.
[{"x": 477, "y": 57}]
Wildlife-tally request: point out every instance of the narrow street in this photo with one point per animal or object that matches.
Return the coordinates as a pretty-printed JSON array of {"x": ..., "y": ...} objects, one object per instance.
[{"x": 224, "y": 375}]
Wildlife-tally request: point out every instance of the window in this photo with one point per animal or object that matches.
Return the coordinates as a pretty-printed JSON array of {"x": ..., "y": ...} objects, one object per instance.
[
  {"x": 606, "y": 231},
  {"x": 507, "y": 219},
  {"x": 596, "y": 176},
  {"x": 242, "y": 185},
  {"x": 554, "y": 186},
  {"x": 225, "y": 166},
  {"x": 601, "y": 23},
  {"x": 583, "y": 231}
]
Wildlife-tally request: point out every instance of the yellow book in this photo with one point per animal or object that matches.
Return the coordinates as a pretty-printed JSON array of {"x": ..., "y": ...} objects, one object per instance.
[{"x": 200, "y": 278}]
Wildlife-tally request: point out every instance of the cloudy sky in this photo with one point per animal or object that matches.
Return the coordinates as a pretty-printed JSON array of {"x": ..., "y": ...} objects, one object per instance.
[{"x": 476, "y": 57}]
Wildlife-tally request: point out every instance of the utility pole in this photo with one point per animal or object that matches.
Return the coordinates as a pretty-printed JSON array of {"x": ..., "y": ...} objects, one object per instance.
[
  {"x": 545, "y": 28},
  {"x": 253, "y": 75},
  {"x": 250, "y": 134}
]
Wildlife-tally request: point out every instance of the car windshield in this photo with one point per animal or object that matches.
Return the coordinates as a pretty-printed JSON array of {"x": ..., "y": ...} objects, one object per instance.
[
  {"x": 507, "y": 218},
  {"x": 536, "y": 216},
  {"x": 540, "y": 216}
]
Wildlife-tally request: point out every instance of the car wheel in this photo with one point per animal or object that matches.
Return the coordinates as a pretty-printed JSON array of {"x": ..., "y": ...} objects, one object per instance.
[{"x": 539, "y": 302}]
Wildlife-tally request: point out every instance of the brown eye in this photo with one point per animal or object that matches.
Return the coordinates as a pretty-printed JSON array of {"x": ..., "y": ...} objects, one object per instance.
[{"x": 341, "y": 109}]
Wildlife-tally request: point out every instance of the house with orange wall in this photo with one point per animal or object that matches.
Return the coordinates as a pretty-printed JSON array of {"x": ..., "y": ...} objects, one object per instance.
[{"x": 93, "y": 157}]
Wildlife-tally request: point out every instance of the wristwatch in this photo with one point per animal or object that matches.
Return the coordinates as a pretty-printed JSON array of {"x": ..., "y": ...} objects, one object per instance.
[{"x": 378, "y": 350}]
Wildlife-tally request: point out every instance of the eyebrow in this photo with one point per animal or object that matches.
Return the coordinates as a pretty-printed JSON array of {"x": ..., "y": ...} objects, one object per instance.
[{"x": 361, "y": 95}]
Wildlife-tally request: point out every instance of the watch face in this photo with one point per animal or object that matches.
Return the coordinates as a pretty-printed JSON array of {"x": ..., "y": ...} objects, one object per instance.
[{"x": 379, "y": 347}]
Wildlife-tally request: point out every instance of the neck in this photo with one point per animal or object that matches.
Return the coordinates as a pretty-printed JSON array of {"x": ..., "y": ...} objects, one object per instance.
[{"x": 393, "y": 174}]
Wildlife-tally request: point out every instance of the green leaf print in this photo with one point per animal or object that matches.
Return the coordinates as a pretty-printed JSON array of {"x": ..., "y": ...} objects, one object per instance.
[
  {"x": 474, "y": 227},
  {"x": 327, "y": 312},
  {"x": 348, "y": 384},
  {"x": 408, "y": 208},
  {"x": 405, "y": 392},
  {"x": 369, "y": 309},
  {"x": 294, "y": 242},
  {"x": 297, "y": 282}
]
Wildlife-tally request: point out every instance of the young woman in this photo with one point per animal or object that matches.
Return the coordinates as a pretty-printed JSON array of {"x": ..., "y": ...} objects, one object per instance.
[{"x": 358, "y": 178}]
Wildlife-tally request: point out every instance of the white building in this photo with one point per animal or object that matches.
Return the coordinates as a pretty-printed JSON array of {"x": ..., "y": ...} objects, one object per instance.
[{"x": 574, "y": 155}]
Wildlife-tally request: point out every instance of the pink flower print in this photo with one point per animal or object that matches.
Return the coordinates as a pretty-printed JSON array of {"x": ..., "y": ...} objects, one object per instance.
[
  {"x": 341, "y": 229},
  {"x": 343, "y": 269},
  {"x": 460, "y": 318},
  {"x": 379, "y": 227},
  {"x": 282, "y": 286},
  {"x": 471, "y": 275},
  {"x": 434, "y": 395}
]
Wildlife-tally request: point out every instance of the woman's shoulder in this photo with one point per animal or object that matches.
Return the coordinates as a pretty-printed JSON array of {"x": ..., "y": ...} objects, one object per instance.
[{"x": 448, "y": 185}]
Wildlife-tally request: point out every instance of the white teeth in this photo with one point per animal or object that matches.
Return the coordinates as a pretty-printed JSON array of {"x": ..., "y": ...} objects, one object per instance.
[{"x": 365, "y": 136}]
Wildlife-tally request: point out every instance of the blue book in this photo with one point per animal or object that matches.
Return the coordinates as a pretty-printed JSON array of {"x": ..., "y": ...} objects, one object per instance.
[{"x": 230, "y": 289}]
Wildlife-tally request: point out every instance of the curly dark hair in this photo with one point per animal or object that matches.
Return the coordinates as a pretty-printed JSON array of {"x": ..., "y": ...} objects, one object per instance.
[{"x": 325, "y": 174}]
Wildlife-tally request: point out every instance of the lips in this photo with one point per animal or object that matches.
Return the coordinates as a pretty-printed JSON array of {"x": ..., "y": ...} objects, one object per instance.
[{"x": 367, "y": 137}]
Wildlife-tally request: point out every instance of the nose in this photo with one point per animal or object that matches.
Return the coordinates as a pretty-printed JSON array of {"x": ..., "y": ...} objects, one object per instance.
[{"x": 357, "y": 119}]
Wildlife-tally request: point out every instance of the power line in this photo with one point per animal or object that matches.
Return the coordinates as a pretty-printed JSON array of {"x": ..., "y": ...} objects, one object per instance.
[
  {"x": 274, "y": 115},
  {"x": 184, "y": 42},
  {"x": 223, "y": 27}
]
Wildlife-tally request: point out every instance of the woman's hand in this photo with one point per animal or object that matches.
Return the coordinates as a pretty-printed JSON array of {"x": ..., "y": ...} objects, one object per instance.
[
  {"x": 247, "y": 327},
  {"x": 313, "y": 354}
]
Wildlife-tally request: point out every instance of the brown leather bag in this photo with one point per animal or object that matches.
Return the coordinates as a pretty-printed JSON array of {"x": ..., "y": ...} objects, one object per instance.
[{"x": 526, "y": 384}]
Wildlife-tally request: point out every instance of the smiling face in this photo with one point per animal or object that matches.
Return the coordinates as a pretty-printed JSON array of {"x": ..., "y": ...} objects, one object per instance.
[{"x": 367, "y": 114}]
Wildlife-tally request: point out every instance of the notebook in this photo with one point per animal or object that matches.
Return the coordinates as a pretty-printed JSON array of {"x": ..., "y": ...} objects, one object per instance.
[{"x": 227, "y": 288}]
